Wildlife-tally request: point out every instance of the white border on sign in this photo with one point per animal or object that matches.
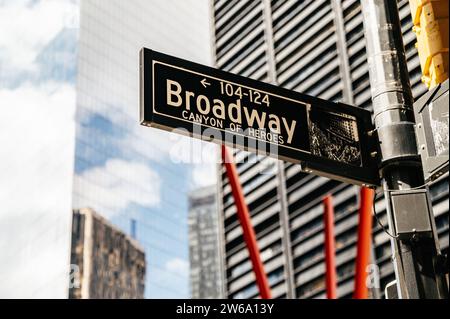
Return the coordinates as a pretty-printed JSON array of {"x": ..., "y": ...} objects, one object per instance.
[{"x": 308, "y": 106}]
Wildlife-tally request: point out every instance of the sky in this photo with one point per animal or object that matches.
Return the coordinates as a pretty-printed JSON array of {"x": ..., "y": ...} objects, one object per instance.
[
  {"x": 38, "y": 101},
  {"x": 37, "y": 136}
]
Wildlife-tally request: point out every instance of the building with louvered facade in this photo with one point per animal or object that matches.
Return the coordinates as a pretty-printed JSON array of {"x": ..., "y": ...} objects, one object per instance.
[{"x": 316, "y": 47}]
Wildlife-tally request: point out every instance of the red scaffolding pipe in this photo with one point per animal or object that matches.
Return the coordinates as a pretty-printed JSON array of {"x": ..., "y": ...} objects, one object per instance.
[
  {"x": 247, "y": 228},
  {"x": 330, "y": 248},
  {"x": 361, "y": 290}
]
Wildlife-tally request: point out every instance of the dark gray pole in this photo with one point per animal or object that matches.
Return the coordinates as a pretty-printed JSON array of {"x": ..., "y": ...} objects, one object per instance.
[{"x": 411, "y": 221}]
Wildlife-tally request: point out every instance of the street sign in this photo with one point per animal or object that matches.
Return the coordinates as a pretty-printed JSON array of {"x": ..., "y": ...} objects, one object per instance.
[
  {"x": 431, "y": 112},
  {"x": 325, "y": 138}
]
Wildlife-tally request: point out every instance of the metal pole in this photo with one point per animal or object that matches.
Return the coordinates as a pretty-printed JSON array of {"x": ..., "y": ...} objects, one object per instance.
[
  {"x": 363, "y": 250},
  {"x": 286, "y": 239},
  {"x": 330, "y": 248},
  {"x": 411, "y": 221},
  {"x": 246, "y": 224},
  {"x": 342, "y": 51}
]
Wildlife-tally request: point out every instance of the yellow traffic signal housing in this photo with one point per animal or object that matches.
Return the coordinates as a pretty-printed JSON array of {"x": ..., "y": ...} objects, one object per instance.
[{"x": 430, "y": 19}]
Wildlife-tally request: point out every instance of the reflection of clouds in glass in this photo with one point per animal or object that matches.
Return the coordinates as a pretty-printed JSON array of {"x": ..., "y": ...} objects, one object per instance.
[
  {"x": 111, "y": 35},
  {"x": 170, "y": 279},
  {"x": 178, "y": 265},
  {"x": 204, "y": 175},
  {"x": 149, "y": 143},
  {"x": 112, "y": 186},
  {"x": 98, "y": 139}
]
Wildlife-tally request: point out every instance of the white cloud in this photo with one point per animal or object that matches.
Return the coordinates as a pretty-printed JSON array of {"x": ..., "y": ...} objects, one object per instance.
[
  {"x": 37, "y": 138},
  {"x": 152, "y": 143},
  {"x": 163, "y": 146},
  {"x": 169, "y": 281},
  {"x": 117, "y": 184},
  {"x": 27, "y": 26},
  {"x": 37, "y": 275},
  {"x": 37, "y": 144},
  {"x": 204, "y": 172},
  {"x": 204, "y": 175},
  {"x": 178, "y": 266}
]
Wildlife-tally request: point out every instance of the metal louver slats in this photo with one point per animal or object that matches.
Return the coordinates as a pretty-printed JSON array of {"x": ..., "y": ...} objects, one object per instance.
[
  {"x": 305, "y": 47},
  {"x": 241, "y": 49},
  {"x": 308, "y": 56},
  {"x": 234, "y": 10},
  {"x": 225, "y": 32},
  {"x": 238, "y": 26}
]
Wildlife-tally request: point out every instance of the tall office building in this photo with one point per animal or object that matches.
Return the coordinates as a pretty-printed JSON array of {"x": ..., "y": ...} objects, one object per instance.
[
  {"x": 204, "y": 246},
  {"x": 315, "y": 47},
  {"x": 123, "y": 170}
]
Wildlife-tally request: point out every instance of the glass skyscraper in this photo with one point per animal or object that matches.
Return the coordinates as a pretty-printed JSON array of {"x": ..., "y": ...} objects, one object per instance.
[{"x": 123, "y": 170}]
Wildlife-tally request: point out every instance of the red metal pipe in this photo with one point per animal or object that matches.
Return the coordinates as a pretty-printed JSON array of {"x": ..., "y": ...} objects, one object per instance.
[
  {"x": 361, "y": 290},
  {"x": 246, "y": 224},
  {"x": 330, "y": 248}
]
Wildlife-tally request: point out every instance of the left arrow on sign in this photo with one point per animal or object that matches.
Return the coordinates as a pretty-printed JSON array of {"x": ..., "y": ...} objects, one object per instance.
[{"x": 205, "y": 83}]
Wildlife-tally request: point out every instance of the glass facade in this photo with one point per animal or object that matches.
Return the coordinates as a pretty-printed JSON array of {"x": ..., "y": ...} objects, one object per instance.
[{"x": 128, "y": 173}]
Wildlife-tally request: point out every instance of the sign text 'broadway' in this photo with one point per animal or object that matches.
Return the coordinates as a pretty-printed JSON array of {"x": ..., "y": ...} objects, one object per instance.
[{"x": 326, "y": 138}]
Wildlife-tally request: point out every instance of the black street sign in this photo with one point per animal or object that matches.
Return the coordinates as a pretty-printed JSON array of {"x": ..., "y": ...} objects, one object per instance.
[{"x": 325, "y": 138}]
